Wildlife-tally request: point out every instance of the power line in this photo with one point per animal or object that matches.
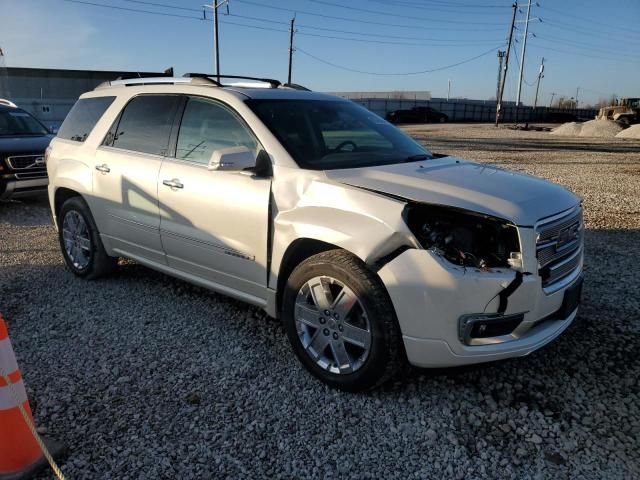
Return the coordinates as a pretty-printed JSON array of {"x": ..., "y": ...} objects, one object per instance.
[
  {"x": 164, "y": 14},
  {"x": 351, "y": 32},
  {"x": 368, "y": 22},
  {"x": 164, "y": 5},
  {"x": 542, "y": 47},
  {"x": 449, "y": 5},
  {"x": 382, "y": 42},
  {"x": 228, "y": 22},
  {"x": 396, "y": 15},
  {"x": 583, "y": 31},
  {"x": 174, "y": 15},
  {"x": 342, "y": 67},
  {"x": 578, "y": 44},
  {"x": 590, "y": 20}
]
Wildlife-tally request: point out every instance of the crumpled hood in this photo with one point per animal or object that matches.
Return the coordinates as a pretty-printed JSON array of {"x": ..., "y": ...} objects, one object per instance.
[{"x": 520, "y": 198}]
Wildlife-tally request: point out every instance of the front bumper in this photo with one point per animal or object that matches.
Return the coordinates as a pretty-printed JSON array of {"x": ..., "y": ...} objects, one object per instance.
[
  {"x": 17, "y": 188},
  {"x": 430, "y": 296}
]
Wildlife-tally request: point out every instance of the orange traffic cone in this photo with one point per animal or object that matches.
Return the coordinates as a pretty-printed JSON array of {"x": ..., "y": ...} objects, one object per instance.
[{"x": 21, "y": 449}]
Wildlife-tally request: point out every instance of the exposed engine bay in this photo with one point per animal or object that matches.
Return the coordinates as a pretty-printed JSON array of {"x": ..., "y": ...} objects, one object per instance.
[{"x": 464, "y": 238}]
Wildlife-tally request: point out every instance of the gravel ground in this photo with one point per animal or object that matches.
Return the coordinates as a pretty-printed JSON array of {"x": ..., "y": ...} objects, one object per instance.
[{"x": 144, "y": 376}]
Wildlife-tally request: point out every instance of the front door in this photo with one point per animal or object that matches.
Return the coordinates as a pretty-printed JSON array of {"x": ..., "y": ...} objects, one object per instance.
[{"x": 214, "y": 224}]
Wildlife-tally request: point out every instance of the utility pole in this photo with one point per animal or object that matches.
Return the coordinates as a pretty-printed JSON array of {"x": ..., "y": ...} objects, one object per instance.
[
  {"x": 553, "y": 94},
  {"x": 524, "y": 49},
  {"x": 291, "y": 32},
  {"x": 501, "y": 54},
  {"x": 4, "y": 80},
  {"x": 448, "y": 89},
  {"x": 540, "y": 76},
  {"x": 216, "y": 42},
  {"x": 506, "y": 64},
  {"x": 577, "y": 92}
]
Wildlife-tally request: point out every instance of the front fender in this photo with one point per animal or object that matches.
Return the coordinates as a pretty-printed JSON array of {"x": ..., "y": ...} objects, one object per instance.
[{"x": 366, "y": 224}]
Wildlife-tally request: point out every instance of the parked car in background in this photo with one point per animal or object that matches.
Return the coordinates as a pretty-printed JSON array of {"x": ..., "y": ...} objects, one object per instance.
[
  {"x": 371, "y": 249},
  {"x": 417, "y": 115},
  {"x": 23, "y": 141}
]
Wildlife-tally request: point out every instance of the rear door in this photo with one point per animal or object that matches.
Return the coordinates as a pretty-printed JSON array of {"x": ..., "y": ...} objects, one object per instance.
[
  {"x": 125, "y": 182},
  {"x": 213, "y": 224}
]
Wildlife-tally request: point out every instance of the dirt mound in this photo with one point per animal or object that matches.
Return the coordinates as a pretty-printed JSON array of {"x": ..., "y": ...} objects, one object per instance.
[
  {"x": 631, "y": 132},
  {"x": 592, "y": 128},
  {"x": 571, "y": 129},
  {"x": 600, "y": 128}
]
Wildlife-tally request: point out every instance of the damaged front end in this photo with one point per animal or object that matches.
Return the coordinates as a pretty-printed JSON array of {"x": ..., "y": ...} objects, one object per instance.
[
  {"x": 465, "y": 238},
  {"x": 484, "y": 243}
]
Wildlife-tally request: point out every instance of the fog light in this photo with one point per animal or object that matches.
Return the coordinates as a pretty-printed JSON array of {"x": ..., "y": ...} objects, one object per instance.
[{"x": 477, "y": 326}]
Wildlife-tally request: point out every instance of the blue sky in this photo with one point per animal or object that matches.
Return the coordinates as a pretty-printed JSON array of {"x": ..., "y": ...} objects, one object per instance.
[{"x": 578, "y": 39}]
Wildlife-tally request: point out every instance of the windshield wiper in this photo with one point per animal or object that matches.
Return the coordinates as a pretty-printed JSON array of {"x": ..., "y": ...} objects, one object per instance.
[{"x": 418, "y": 157}]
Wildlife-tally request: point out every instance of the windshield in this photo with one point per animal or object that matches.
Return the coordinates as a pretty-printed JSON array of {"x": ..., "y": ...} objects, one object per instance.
[
  {"x": 18, "y": 122},
  {"x": 326, "y": 135}
]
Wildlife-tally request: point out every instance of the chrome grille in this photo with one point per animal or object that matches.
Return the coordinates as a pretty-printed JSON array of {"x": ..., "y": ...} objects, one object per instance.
[
  {"x": 559, "y": 246},
  {"x": 24, "y": 162}
]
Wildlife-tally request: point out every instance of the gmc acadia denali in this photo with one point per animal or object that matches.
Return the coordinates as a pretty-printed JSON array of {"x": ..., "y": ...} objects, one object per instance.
[{"x": 372, "y": 250}]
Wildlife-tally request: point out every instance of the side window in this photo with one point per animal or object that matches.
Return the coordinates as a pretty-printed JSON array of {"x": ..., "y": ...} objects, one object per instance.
[
  {"x": 208, "y": 126},
  {"x": 83, "y": 117},
  {"x": 145, "y": 124}
]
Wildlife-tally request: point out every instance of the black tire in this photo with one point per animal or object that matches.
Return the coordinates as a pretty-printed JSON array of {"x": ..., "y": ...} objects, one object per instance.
[
  {"x": 100, "y": 264},
  {"x": 386, "y": 358}
]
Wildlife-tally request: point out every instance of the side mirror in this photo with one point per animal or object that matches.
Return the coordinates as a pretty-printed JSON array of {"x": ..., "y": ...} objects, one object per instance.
[{"x": 232, "y": 159}]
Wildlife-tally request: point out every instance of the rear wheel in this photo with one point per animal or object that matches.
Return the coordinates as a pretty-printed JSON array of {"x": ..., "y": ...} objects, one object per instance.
[
  {"x": 80, "y": 242},
  {"x": 340, "y": 322}
]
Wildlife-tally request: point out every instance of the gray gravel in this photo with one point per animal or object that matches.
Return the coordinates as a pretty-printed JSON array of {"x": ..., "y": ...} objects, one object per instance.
[{"x": 144, "y": 376}]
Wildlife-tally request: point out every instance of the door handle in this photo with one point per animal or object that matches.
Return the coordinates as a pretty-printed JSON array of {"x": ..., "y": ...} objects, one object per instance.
[
  {"x": 104, "y": 168},
  {"x": 175, "y": 183}
]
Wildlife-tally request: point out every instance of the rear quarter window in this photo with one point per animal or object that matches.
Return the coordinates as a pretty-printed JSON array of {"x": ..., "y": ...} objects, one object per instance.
[{"x": 83, "y": 117}]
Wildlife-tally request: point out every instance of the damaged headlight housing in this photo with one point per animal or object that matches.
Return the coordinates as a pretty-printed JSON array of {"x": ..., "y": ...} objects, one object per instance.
[{"x": 465, "y": 238}]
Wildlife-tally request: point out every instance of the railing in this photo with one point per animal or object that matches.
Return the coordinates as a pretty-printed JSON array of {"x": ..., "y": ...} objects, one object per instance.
[{"x": 473, "y": 110}]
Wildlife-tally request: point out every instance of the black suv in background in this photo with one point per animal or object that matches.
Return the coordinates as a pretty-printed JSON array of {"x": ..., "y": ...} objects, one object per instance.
[
  {"x": 23, "y": 140},
  {"x": 417, "y": 115}
]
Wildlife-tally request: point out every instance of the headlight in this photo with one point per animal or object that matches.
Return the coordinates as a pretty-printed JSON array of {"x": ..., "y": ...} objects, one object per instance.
[{"x": 465, "y": 238}]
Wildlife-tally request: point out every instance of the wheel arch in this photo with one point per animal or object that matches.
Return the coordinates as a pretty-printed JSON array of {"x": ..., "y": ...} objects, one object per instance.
[
  {"x": 61, "y": 195},
  {"x": 297, "y": 252}
]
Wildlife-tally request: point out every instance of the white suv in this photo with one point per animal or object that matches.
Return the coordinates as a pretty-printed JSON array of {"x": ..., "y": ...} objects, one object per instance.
[{"x": 372, "y": 250}]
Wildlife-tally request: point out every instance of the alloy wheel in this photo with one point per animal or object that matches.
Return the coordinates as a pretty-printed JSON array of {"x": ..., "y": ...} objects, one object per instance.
[
  {"x": 332, "y": 325},
  {"x": 77, "y": 241}
]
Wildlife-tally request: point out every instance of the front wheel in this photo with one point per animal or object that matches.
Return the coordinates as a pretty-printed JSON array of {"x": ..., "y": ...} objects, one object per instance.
[
  {"x": 341, "y": 323},
  {"x": 80, "y": 242}
]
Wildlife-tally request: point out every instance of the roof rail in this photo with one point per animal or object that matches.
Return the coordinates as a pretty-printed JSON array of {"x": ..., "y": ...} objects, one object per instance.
[
  {"x": 272, "y": 83},
  {"x": 167, "y": 73},
  {"x": 158, "y": 81},
  {"x": 295, "y": 86},
  {"x": 7, "y": 103}
]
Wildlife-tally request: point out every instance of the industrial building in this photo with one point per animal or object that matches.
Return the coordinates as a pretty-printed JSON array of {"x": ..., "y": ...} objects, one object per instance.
[{"x": 49, "y": 94}]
